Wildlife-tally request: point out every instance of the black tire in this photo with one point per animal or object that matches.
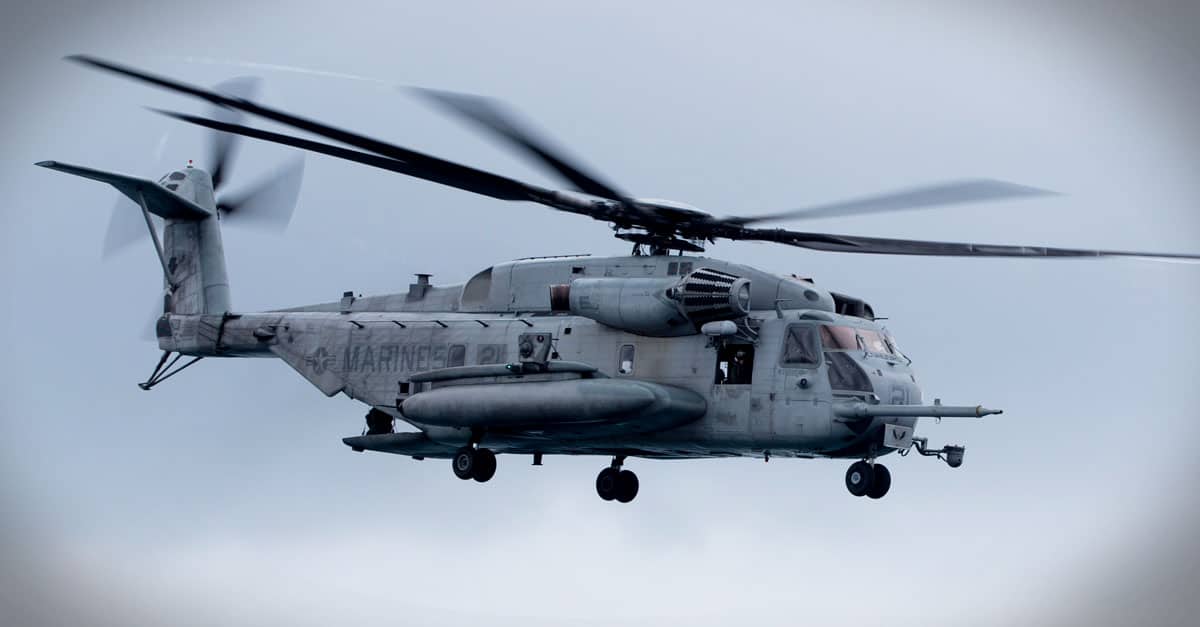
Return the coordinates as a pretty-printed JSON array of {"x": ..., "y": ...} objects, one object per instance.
[
  {"x": 606, "y": 484},
  {"x": 859, "y": 478},
  {"x": 881, "y": 482},
  {"x": 485, "y": 465},
  {"x": 463, "y": 463},
  {"x": 627, "y": 486}
]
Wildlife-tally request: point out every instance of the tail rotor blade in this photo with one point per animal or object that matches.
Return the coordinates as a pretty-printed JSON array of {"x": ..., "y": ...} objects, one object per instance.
[
  {"x": 270, "y": 203},
  {"x": 223, "y": 146},
  {"x": 125, "y": 227},
  {"x": 148, "y": 331}
]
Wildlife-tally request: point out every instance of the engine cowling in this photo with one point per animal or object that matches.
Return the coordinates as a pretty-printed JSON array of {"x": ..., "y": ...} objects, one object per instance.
[
  {"x": 654, "y": 306},
  {"x": 707, "y": 295}
]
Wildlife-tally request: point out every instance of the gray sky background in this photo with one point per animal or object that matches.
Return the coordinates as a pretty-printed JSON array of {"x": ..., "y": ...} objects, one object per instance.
[{"x": 226, "y": 496}]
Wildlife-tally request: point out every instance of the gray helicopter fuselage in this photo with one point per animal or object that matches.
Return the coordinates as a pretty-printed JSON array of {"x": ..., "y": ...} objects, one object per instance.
[{"x": 754, "y": 392}]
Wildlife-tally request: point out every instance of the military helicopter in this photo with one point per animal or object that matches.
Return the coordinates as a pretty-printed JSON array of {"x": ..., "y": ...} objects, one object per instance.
[{"x": 661, "y": 354}]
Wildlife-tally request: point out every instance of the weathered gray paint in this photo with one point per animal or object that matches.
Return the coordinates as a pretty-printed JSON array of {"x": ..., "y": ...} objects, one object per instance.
[
  {"x": 665, "y": 403},
  {"x": 367, "y": 355}
]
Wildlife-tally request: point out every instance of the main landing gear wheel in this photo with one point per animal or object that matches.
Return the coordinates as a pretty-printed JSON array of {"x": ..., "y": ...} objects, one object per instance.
[
  {"x": 859, "y": 478},
  {"x": 619, "y": 485},
  {"x": 881, "y": 482},
  {"x": 606, "y": 484},
  {"x": 470, "y": 463},
  {"x": 485, "y": 465},
  {"x": 463, "y": 462},
  {"x": 627, "y": 486}
]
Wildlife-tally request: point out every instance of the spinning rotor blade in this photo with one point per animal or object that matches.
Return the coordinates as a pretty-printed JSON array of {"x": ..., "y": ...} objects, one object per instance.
[
  {"x": 271, "y": 202},
  {"x": 488, "y": 115},
  {"x": 430, "y": 169},
  {"x": 125, "y": 226},
  {"x": 661, "y": 226},
  {"x": 346, "y": 137},
  {"x": 386, "y": 155},
  {"x": 953, "y": 193},
  {"x": 222, "y": 147},
  {"x": 886, "y": 246}
]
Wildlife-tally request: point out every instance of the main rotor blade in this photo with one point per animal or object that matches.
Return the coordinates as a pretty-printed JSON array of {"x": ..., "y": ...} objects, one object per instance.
[
  {"x": 953, "y": 193},
  {"x": 886, "y": 246},
  {"x": 392, "y": 151},
  {"x": 488, "y": 115},
  {"x": 271, "y": 202},
  {"x": 428, "y": 168},
  {"x": 386, "y": 156},
  {"x": 223, "y": 146}
]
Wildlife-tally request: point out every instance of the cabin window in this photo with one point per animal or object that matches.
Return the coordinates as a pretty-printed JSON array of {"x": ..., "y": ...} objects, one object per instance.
[
  {"x": 735, "y": 365},
  {"x": 625, "y": 360},
  {"x": 456, "y": 355},
  {"x": 801, "y": 347}
]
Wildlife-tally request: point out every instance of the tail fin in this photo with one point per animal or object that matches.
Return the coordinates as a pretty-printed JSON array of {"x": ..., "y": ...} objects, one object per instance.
[{"x": 191, "y": 252}]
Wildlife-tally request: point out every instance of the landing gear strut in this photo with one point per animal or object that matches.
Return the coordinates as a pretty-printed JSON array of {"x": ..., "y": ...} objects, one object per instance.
[
  {"x": 866, "y": 479},
  {"x": 613, "y": 483},
  {"x": 474, "y": 462}
]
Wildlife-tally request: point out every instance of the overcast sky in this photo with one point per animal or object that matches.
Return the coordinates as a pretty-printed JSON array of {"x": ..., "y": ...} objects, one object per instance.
[{"x": 226, "y": 496}]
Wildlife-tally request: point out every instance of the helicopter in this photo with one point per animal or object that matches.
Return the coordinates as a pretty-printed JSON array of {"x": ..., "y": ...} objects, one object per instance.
[{"x": 659, "y": 354}]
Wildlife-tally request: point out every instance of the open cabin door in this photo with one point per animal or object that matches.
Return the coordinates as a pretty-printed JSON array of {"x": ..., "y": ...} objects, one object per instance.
[{"x": 732, "y": 389}]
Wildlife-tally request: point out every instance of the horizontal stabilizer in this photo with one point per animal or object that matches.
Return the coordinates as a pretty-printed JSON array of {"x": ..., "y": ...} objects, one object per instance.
[{"x": 159, "y": 200}]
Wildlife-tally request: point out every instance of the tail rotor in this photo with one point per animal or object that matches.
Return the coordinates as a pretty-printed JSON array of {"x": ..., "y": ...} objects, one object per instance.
[{"x": 267, "y": 204}]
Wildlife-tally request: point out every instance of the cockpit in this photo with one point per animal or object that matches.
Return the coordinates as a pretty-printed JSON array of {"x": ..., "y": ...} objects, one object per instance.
[{"x": 841, "y": 347}]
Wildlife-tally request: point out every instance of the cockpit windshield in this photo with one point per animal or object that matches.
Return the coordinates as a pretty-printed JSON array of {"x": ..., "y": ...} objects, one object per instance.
[{"x": 846, "y": 338}]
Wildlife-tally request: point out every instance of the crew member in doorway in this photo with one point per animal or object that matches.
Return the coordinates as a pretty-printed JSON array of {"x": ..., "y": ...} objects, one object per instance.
[{"x": 739, "y": 368}]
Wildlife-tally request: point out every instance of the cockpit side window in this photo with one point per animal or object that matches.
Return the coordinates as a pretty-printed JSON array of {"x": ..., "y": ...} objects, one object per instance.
[{"x": 800, "y": 346}]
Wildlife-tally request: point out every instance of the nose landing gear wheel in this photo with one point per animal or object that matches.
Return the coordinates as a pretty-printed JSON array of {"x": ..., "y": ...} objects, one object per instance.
[
  {"x": 881, "y": 482},
  {"x": 859, "y": 478}
]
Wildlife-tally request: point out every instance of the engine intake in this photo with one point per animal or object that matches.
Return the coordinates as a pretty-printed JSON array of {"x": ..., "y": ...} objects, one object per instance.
[
  {"x": 707, "y": 295},
  {"x": 656, "y": 307}
]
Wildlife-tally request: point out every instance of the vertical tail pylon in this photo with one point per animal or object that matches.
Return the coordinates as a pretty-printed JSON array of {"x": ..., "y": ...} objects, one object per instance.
[
  {"x": 193, "y": 252},
  {"x": 190, "y": 251}
]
